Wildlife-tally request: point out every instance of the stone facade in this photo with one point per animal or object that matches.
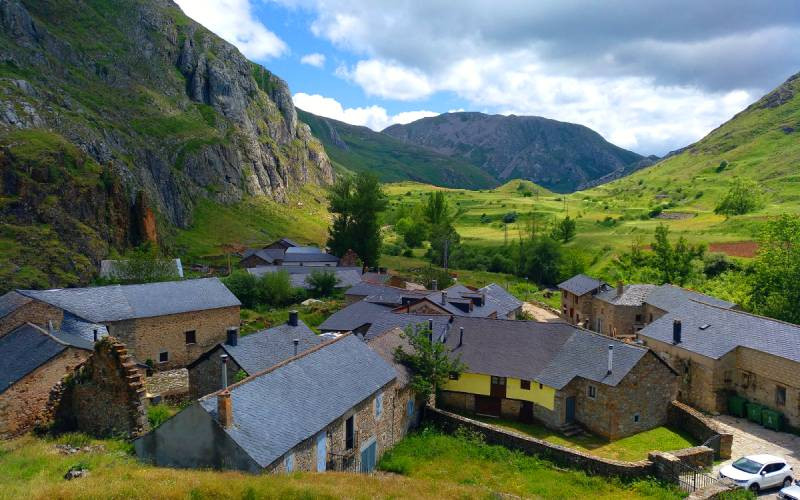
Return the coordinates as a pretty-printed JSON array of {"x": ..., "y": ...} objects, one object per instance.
[
  {"x": 103, "y": 397},
  {"x": 618, "y": 321},
  {"x": 24, "y": 405},
  {"x": 701, "y": 428},
  {"x": 35, "y": 312},
  {"x": 577, "y": 309},
  {"x": 205, "y": 375},
  {"x": 148, "y": 338}
]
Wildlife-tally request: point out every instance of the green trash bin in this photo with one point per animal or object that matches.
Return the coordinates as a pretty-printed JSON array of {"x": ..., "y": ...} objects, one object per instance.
[
  {"x": 754, "y": 412},
  {"x": 736, "y": 405},
  {"x": 771, "y": 419}
]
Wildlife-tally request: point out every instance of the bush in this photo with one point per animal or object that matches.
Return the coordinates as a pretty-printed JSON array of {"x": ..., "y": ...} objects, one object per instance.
[
  {"x": 722, "y": 166},
  {"x": 158, "y": 414},
  {"x": 323, "y": 283},
  {"x": 271, "y": 289},
  {"x": 743, "y": 197},
  {"x": 408, "y": 253}
]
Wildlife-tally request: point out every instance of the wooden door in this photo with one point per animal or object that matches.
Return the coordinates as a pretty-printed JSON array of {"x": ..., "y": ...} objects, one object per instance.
[
  {"x": 526, "y": 412},
  {"x": 486, "y": 405},
  {"x": 369, "y": 457},
  {"x": 570, "y": 413},
  {"x": 322, "y": 451},
  {"x": 498, "y": 388}
]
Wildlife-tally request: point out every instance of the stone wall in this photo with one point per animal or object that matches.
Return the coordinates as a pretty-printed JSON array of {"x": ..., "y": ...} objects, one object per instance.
[
  {"x": 697, "y": 425},
  {"x": 104, "y": 397},
  {"x": 576, "y": 309},
  {"x": 618, "y": 321},
  {"x": 147, "y": 337},
  {"x": 757, "y": 377},
  {"x": 205, "y": 374},
  {"x": 36, "y": 312},
  {"x": 701, "y": 457},
  {"x": 24, "y": 405}
]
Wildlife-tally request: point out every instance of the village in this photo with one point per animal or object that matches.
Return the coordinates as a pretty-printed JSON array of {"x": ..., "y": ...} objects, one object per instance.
[{"x": 616, "y": 361}]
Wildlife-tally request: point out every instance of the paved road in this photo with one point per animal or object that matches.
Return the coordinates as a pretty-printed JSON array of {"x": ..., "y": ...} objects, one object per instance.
[{"x": 752, "y": 439}]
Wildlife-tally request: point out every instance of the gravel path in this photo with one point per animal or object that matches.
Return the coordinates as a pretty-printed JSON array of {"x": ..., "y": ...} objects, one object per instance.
[{"x": 539, "y": 313}]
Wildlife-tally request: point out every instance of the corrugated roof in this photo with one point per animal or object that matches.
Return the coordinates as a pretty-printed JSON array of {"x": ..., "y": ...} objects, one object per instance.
[
  {"x": 275, "y": 411},
  {"x": 260, "y": 350},
  {"x": 669, "y": 297},
  {"x": 723, "y": 330},
  {"x": 632, "y": 295},
  {"x": 120, "y": 302},
  {"x": 581, "y": 284},
  {"x": 10, "y": 302}
]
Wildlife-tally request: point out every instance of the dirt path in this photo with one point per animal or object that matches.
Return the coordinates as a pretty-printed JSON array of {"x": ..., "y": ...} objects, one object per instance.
[{"x": 539, "y": 313}]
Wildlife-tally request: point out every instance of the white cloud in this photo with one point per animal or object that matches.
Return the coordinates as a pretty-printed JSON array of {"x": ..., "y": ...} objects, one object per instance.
[
  {"x": 316, "y": 59},
  {"x": 374, "y": 117},
  {"x": 388, "y": 80},
  {"x": 233, "y": 21}
]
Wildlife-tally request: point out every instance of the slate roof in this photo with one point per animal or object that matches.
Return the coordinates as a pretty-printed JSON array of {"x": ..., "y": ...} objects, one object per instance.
[
  {"x": 25, "y": 349},
  {"x": 549, "y": 353},
  {"x": 353, "y": 316},
  {"x": 504, "y": 301},
  {"x": 669, "y": 297},
  {"x": 260, "y": 350},
  {"x": 390, "y": 320},
  {"x": 120, "y": 302},
  {"x": 632, "y": 295},
  {"x": 310, "y": 257},
  {"x": 278, "y": 409},
  {"x": 365, "y": 289},
  {"x": 269, "y": 255},
  {"x": 78, "y": 332},
  {"x": 581, "y": 284},
  {"x": 725, "y": 330},
  {"x": 11, "y": 301},
  {"x": 385, "y": 344},
  {"x": 347, "y": 276}
]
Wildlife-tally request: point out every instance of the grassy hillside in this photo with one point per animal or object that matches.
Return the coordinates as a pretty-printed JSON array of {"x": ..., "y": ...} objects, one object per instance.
[{"x": 359, "y": 149}]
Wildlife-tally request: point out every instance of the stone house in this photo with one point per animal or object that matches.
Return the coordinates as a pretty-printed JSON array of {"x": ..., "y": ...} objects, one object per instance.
[
  {"x": 167, "y": 323},
  {"x": 559, "y": 375},
  {"x": 255, "y": 257},
  {"x": 329, "y": 408},
  {"x": 576, "y": 298},
  {"x": 32, "y": 361},
  {"x": 249, "y": 354},
  {"x": 720, "y": 351},
  {"x": 282, "y": 244},
  {"x": 618, "y": 312}
]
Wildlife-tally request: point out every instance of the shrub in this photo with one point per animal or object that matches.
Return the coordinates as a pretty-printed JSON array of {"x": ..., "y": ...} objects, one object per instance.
[
  {"x": 323, "y": 283},
  {"x": 743, "y": 197},
  {"x": 158, "y": 414},
  {"x": 722, "y": 166}
]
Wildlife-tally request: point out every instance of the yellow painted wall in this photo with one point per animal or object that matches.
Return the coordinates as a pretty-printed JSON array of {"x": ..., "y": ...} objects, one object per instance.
[
  {"x": 472, "y": 383},
  {"x": 544, "y": 397}
]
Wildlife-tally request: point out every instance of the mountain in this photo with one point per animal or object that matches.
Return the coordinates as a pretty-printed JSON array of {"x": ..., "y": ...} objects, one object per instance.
[
  {"x": 360, "y": 149},
  {"x": 761, "y": 143},
  {"x": 117, "y": 118},
  {"x": 560, "y": 156}
]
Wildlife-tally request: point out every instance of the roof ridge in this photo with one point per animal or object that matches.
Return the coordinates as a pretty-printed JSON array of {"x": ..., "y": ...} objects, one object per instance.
[
  {"x": 276, "y": 366},
  {"x": 743, "y": 313},
  {"x": 582, "y": 331}
]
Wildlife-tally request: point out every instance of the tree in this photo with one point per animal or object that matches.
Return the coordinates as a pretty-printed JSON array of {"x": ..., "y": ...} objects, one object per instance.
[
  {"x": 275, "y": 289},
  {"x": 437, "y": 211},
  {"x": 144, "y": 265},
  {"x": 674, "y": 264},
  {"x": 564, "y": 230},
  {"x": 744, "y": 196},
  {"x": 356, "y": 204},
  {"x": 322, "y": 283},
  {"x": 776, "y": 283},
  {"x": 414, "y": 232},
  {"x": 542, "y": 258},
  {"x": 429, "y": 361}
]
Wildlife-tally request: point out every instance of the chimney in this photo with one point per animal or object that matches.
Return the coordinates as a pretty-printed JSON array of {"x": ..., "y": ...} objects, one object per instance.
[
  {"x": 460, "y": 336},
  {"x": 224, "y": 370},
  {"x": 296, "y": 343},
  {"x": 430, "y": 324},
  {"x": 292, "y": 318},
  {"x": 225, "y": 409},
  {"x": 95, "y": 334},
  {"x": 233, "y": 336},
  {"x": 444, "y": 297},
  {"x": 434, "y": 284},
  {"x": 610, "y": 358},
  {"x": 676, "y": 331},
  {"x": 620, "y": 288},
  {"x": 50, "y": 327}
]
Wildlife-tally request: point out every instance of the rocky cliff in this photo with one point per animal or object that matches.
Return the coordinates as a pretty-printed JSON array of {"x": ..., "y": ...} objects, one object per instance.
[
  {"x": 557, "y": 155},
  {"x": 108, "y": 102}
]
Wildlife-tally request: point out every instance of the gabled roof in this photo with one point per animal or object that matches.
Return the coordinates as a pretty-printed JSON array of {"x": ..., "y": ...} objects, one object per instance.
[
  {"x": 504, "y": 302},
  {"x": 309, "y": 257},
  {"x": 288, "y": 242},
  {"x": 11, "y": 301},
  {"x": 268, "y": 255},
  {"x": 276, "y": 410},
  {"x": 79, "y": 333},
  {"x": 669, "y": 297},
  {"x": 581, "y": 284},
  {"x": 260, "y": 350},
  {"x": 353, "y": 316},
  {"x": 549, "y": 353},
  {"x": 632, "y": 295},
  {"x": 385, "y": 344},
  {"x": 25, "y": 349},
  {"x": 120, "y": 302},
  {"x": 298, "y": 275},
  {"x": 365, "y": 289},
  {"x": 713, "y": 331},
  {"x": 390, "y": 320}
]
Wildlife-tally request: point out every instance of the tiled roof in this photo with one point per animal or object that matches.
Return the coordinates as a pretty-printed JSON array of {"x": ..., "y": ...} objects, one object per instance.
[
  {"x": 713, "y": 331},
  {"x": 10, "y": 302},
  {"x": 580, "y": 284},
  {"x": 275, "y": 411},
  {"x": 298, "y": 275},
  {"x": 669, "y": 297},
  {"x": 632, "y": 295},
  {"x": 120, "y": 302},
  {"x": 550, "y": 353},
  {"x": 260, "y": 350},
  {"x": 23, "y": 350},
  {"x": 353, "y": 316}
]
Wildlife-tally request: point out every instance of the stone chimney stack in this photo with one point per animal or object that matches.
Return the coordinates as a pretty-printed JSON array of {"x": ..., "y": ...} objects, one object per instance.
[
  {"x": 292, "y": 318},
  {"x": 620, "y": 288},
  {"x": 610, "y": 358},
  {"x": 444, "y": 298},
  {"x": 225, "y": 409}
]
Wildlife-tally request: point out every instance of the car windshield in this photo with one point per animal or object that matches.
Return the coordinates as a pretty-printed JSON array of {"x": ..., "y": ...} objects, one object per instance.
[{"x": 747, "y": 465}]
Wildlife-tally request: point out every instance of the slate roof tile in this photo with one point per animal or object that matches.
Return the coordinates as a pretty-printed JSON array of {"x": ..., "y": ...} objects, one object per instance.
[
  {"x": 581, "y": 284},
  {"x": 260, "y": 350}
]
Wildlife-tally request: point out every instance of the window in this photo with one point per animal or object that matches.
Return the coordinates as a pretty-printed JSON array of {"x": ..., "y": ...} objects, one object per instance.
[
  {"x": 636, "y": 418},
  {"x": 525, "y": 385},
  {"x": 541, "y": 387},
  {"x": 163, "y": 357},
  {"x": 591, "y": 391},
  {"x": 288, "y": 462},
  {"x": 454, "y": 376},
  {"x": 638, "y": 318},
  {"x": 780, "y": 396},
  {"x": 410, "y": 407},
  {"x": 498, "y": 381},
  {"x": 191, "y": 337},
  {"x": 349, "y": 433},
  {"x": 378, "y": 405}
]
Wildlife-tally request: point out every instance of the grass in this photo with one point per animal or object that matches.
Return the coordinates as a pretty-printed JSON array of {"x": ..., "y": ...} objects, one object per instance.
[
  {"x": 631, "y": 448},
  {"x": 312, "y": 315},
  {"x": 447, "y": 459}
]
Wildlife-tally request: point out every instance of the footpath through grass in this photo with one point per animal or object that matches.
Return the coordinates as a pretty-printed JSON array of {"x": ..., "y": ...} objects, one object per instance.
[
  {"x": 631, "y": 448},
  {"x": 465, "y": 460}
]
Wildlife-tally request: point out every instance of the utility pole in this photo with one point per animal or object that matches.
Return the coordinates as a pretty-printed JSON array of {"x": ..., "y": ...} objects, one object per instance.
[{"x": 446, "y": 248}]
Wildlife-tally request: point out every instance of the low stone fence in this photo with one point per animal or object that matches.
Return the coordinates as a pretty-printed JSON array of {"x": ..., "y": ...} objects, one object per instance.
[
  {"x": 701, "y": 457},
  {"x": 701, "y": 428}
]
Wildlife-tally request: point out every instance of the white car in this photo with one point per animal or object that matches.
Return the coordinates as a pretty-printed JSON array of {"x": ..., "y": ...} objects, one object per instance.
[
  {"x": 790, "y": 493},
  {"x": 758, "y": 472}
]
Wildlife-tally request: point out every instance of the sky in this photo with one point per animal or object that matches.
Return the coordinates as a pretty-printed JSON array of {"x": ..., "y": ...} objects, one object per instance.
[{"x": 650, "y": 76}]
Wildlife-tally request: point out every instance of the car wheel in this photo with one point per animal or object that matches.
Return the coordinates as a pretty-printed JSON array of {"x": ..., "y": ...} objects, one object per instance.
[
  {"x": 787, "y": 482},
  {"x": 754, "y": 488}
]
